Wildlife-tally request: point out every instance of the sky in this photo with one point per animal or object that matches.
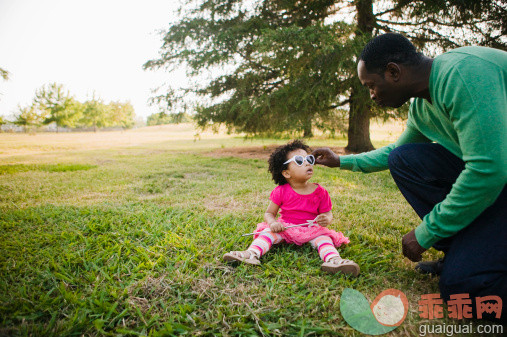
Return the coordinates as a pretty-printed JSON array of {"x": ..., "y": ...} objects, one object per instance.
[{"x": 91, "y": 47}]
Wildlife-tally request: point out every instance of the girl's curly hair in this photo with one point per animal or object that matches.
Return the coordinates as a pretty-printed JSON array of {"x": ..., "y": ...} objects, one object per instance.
[{"x": 279, "y": 156}]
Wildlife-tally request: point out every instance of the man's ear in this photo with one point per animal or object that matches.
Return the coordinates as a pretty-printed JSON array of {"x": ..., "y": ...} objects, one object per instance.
[
  {"x": 286, "y": 174},
  {"x": 393, "y": 71}
]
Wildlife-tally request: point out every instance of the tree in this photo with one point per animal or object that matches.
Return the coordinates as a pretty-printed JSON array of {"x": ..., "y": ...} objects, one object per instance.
[
  {"x": 29, "y": 117},
  {"x": 432, "y": 25},
  {"x": 121, "y": 114},
  {"x": 162, "y": 118},
  {"x": 290, "y": 65},
  {"x": 442, "y": 25},
  {"x": 95, "y": 114},
  {"x": 73, "y": 113},
  {"x": 61, "y": 108},
  {"x": 275, "y": 51}
]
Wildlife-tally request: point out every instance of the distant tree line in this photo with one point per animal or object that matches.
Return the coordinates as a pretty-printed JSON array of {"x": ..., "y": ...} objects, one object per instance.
[
  {"x": 52, "y": 104},
  {"x": 168, "y": 118}
]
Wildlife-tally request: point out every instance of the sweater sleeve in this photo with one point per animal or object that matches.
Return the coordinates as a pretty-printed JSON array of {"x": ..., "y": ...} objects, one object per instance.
[
  {"x": 476, "y": 103},
  {"x": 376, "y": 160}
]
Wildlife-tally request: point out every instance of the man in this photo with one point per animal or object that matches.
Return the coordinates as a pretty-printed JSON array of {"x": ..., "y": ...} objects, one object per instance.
[{"x": 450, "y": 163}]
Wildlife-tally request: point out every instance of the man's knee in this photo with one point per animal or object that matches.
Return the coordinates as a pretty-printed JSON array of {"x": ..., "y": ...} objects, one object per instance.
[
  {"x": 399, "y": 157},
  {"x": 395, "y": 156}
]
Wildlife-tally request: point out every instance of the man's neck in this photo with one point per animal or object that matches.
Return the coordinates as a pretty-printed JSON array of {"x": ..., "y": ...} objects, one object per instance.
[{"x": 421, "y": 79}]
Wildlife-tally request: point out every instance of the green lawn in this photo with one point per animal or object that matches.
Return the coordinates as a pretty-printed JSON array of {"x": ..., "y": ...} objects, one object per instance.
[{"x": 128, "y": 240}]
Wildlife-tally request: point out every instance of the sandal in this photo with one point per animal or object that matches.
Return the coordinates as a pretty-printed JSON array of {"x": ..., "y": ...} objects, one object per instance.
[
  {"x": 246, "y": 256},
  {"x": 344, "y": 266}
]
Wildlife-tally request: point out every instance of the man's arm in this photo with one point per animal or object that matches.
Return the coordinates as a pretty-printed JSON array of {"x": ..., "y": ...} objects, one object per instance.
[{"x": 371, "y": 161}]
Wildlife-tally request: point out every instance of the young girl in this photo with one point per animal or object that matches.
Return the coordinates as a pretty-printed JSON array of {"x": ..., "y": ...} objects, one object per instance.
[{"x": 299, "y": 201}]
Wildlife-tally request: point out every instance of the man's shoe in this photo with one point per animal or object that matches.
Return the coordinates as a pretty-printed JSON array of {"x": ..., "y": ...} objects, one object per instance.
[{"x": 430, "y": 267}]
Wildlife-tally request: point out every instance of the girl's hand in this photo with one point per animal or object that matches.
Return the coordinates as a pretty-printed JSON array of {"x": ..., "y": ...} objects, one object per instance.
[
  {"x": 276, "y": 227},
  {"x": 323, "y": 220}
]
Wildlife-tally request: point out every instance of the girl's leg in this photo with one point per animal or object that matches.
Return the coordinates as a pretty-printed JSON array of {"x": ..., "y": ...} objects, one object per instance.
[
  {"x": 324, "y": 245},
  {"x": 264, "y": 242},
  {"x": 259, "y": 247},
  {"x": 333, "y": 263}
]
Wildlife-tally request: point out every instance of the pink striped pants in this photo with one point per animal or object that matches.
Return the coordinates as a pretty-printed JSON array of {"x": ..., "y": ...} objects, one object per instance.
[{"x": 263, "y": 243}]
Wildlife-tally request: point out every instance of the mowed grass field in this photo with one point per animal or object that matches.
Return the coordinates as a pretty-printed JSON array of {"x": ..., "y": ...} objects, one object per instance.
[{"x": 122, "y": 233}]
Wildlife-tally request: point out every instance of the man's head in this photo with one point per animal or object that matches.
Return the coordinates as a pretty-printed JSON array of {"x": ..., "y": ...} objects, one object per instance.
[{"x": 383, "y": 68}]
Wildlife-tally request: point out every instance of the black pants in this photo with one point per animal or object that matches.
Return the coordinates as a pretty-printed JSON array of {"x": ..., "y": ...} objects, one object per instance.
[{"x": 475, "y": 257}]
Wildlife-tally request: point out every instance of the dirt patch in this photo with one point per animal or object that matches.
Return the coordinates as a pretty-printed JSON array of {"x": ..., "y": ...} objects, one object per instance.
[{"x": 256, "y": 152}]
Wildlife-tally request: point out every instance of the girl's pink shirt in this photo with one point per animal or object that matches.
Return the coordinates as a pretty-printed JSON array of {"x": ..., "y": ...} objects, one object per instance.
[{"x": 298, "y": 208}]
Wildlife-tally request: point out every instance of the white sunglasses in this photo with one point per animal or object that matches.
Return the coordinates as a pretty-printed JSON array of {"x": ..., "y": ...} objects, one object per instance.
[{"x": 299, "y": 160}]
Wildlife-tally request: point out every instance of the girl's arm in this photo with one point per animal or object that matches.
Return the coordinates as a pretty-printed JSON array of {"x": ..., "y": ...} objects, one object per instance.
[
  {"x": 270, "y": 218},
  {"x": 324, "y": 219}
]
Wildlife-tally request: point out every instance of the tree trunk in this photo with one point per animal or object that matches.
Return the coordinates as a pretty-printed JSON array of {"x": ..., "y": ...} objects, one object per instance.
[
  {"x": 365, "y": 17},
  {"x": 359, "y": 125},
  {"x": 307, "y": 129},
  {"x": 359, "y": 112}
]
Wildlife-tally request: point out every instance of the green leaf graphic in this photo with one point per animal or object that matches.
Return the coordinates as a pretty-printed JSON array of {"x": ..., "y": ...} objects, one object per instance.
[{"x": 357, "y": 313}]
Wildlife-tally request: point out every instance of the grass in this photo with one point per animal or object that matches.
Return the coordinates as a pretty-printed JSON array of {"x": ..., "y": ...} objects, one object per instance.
[
  {"x": 14, "y": 168},
  {"x": 126, "y": 238}
]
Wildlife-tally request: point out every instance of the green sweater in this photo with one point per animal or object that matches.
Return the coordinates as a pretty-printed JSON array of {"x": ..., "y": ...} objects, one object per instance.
[{"x": 468, "y": 116}]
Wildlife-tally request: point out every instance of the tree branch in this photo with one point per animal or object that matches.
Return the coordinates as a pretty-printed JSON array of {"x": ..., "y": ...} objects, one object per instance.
[{"x": 339, "y": 104}]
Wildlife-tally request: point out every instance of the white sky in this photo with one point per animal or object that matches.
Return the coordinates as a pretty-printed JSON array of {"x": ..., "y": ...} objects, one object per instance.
[{"x": 89, "y": 46}]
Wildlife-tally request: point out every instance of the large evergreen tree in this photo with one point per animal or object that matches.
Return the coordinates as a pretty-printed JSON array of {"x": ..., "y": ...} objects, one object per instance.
[{"x": 290, "y": 65}]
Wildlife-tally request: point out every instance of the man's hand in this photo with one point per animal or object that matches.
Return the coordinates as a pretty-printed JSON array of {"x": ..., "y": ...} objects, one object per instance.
[
  {"x": 323, "y": 220},
  {"x": 326, "y": 157},
  {"x": 411, "y": 248},
  {"x": 276, "y": 227}
]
